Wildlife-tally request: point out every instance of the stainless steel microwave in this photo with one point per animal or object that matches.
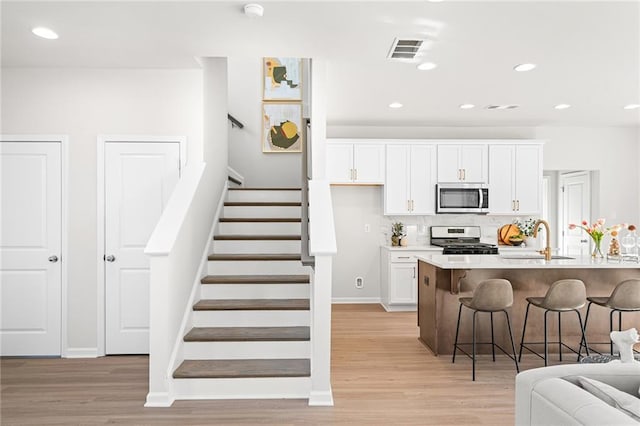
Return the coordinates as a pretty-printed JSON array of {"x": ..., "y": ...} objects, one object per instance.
[{"x": 462, "y": 198}]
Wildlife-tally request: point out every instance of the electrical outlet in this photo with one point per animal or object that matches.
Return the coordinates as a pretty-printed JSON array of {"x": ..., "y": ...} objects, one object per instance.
[
  {"x": 367, "y": 228},
  {"x": 359, "y": 282}
]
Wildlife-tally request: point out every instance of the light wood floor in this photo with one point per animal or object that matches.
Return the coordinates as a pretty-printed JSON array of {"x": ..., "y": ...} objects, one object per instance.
[{"x": 381, "y": 374}]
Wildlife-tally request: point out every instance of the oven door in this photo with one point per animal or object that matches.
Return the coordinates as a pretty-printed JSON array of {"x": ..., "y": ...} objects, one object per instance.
[{"x": 462, "y": 198}]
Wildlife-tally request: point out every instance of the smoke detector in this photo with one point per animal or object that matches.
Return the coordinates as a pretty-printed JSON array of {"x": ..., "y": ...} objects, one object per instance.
[{"x": 253, "y": 10}]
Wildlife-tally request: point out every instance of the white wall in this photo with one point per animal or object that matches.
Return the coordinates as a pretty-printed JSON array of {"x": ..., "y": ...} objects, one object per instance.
[
  {"x": 84, "y": 103},
  {"x": 245, "y": 148},
  {"x": 611, "y": 151}
]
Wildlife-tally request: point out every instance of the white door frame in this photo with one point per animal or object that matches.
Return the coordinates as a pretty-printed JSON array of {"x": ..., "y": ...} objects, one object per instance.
[
  {"x": 63, "y": 140},
  {"x": 562, "y": 207},
  {"x": 102, "y": 141}
]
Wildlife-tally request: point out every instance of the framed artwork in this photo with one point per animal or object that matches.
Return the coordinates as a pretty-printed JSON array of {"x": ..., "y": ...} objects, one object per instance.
[
  {"x": 282, "y": 79},
  {"x": 281, "y": 127}
]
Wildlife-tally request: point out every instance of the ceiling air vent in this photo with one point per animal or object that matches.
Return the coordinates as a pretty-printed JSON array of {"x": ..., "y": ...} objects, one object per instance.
[
  {"x": 404, "y": 48},
  {"x": 502, "y": 106}
]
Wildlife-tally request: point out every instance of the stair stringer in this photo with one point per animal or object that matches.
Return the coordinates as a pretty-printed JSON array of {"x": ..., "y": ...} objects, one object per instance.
[{"x": 177, "y": 354}]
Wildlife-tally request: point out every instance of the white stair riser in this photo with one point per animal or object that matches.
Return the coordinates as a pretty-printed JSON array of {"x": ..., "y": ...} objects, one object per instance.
[
  {"x": 250, "y": 318},
  {"x": 256, "y": 246},
  {"x": 255, "y": 291},
  {"x": 248, "y": 195},
  {"x": 246, "y": 350},
  {"x": 257, "y": 267},
  {"x": 261, "y": 211},
  {"x": 259, "y": 228},
  {"x": 257, "y": 388}
]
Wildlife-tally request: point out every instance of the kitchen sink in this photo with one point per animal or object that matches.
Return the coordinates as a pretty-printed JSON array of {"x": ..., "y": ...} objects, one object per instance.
[{"x": 533, "y": 257}]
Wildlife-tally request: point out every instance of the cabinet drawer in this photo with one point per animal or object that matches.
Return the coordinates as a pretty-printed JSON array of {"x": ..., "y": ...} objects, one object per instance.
[{"x": 403, "y": 258}]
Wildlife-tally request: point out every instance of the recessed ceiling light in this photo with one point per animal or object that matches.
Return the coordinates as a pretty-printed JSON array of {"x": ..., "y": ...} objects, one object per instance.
[
  {"x": 427, "y": 66},
  {"x": 562, "y": 106},
  {"x": 395, "y": 105},
  {"x": 253, "y": 10},
  {"x": 524, "y": 67},
  {"x": 632, "y": 106},
  {"x": 467, "y": 106},
  {"x": 502, "y": 106},
  {"x": 45, "y": 33}
]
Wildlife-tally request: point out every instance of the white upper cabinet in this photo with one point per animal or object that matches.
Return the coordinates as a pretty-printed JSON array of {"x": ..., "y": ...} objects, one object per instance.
[
  {"x": 462, "y": 163},
  {"x": 515, "y": 179},
  {"x": 410, "y": 179},
  {"x": 350, "y": 162}
]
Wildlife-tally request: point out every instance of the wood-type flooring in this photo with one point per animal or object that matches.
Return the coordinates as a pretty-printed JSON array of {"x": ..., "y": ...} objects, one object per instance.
[{"x": 381, "y": 375}]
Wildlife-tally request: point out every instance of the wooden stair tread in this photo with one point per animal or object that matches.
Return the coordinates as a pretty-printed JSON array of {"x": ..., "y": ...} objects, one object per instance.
[
  {"x": 265, "y": 257},
  {"x": 262, "y": 204},
  {"x": 242, "y": 368},
  {"x": 260, "y": 219},
  {"x": 264, "y": 189},
  {"x": 247, "y": 334},
  {"x": 255, "y": 279},
  {"x": 252, "y": 305},
  {"x": 227, "y": 237}
]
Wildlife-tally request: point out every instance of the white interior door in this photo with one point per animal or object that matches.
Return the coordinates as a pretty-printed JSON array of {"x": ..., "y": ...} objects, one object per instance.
[
  {"x": 30, "y": 248},
  {"x": 139, "y": 179},
  {"x": 575, "y": 206}
]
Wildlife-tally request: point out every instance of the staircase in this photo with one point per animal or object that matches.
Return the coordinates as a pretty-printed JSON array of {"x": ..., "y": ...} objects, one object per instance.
[{"x": 250, "y": 335}]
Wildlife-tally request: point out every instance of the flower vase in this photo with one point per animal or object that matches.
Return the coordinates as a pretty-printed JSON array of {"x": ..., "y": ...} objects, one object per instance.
[{"x": 597, "y": 249}]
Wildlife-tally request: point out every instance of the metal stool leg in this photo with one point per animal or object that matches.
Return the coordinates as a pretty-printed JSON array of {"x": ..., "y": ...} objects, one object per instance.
[
  {"x": 584, "y": 336},
  {"x": 524, "y": 327},
  {"x": 455, "y": 345},
  {"x": 610, "y": 330},
  {"x": 493, "y": 342},
  {"x": 619, "y": 320},
  {"x": 473, "y": 345},
  {"x": 560, "y": 335},
  {"x": 513, "y": 346},
  {"x": 586, "y": 318},
  {"x": 546, "y": 350}
]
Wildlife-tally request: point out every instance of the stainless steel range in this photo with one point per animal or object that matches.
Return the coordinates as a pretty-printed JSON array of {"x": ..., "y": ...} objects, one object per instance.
[{"x": 460, "y": 240}]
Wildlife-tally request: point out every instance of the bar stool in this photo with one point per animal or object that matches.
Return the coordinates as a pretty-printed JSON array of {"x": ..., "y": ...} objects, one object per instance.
[
  {"x": 562, "y": 296},
  {"x": 624, "y": 298},
  {"x": 491, "y": 296}
]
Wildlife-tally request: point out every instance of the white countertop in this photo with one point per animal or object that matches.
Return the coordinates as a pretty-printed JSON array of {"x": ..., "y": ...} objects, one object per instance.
[
  {"x": 413, "y": 248},
  {"x": 513, "y": 261}
]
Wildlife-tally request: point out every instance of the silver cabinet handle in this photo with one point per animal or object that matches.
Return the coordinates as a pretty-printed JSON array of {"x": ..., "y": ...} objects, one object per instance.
[
  {"x": 464, "y": 174},
  {"x": 53, "y": 259},
  {"x": 518, "y": 205},
  {"x": 110, "y": 258},
  {"x": 414, "y": 272}
]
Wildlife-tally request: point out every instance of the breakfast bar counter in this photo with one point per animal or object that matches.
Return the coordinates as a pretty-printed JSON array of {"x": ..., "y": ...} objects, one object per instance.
[{"x": 442, "y": 279}]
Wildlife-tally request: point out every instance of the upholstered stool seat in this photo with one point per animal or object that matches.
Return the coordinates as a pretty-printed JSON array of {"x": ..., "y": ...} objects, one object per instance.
[
  {"x": 495, "y": 295},
  {"x": 563, "y": 296},
  {"x": 625, "y": 297}
]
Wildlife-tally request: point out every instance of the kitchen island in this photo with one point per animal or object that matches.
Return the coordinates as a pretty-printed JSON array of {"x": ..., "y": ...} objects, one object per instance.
[{"x": 444, "y": 278}]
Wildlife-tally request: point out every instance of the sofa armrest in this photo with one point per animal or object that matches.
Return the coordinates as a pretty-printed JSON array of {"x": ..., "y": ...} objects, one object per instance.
[{"x": 626, "y": 377}]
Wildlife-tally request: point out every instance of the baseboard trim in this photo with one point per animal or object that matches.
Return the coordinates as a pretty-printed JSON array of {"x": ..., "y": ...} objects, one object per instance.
[
  {"x": 400, "y": 308},
  {"x": 158, "y": 399},
  {"x": 345, "y": 300},
  {"x": 80, "y": 353},
  {"x": 321, "y": 398}
]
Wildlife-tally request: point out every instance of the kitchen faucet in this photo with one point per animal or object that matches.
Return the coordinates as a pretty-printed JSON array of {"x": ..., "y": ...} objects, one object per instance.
[{"x": 547, "y": 249}]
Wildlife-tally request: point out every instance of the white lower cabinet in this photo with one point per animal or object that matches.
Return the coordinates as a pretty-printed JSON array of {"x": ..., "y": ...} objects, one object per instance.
[{"x": 398, "y": 278}]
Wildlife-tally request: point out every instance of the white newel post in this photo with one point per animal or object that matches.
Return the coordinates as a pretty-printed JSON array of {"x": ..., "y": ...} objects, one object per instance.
[
  {"x": 321, "y": 335},
  {"x": 160, "y": 394}
]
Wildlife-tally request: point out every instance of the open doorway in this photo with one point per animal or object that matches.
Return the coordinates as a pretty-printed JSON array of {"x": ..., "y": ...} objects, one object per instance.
[{"x": 570, "y": 197}]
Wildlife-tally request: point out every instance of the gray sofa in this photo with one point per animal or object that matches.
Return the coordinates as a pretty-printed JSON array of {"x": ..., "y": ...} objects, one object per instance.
[{"x": 545, "y": 397}]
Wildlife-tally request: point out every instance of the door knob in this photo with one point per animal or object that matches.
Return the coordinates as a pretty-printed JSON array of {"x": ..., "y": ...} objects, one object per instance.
[
  {"x": 53, "y": 259},
  {"x": 110, "y": 258},
  {"x": 583, "y": 241}
]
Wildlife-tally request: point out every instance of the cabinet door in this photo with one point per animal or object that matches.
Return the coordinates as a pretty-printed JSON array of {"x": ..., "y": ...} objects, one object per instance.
[
  {"x": 402, "y": 288},
  {"x": 368, "y": 162},
  {"x": 528, "y": 179},
  {"x": 423, "y": 179},
  {"x": 473, "y": 162},
  {"x": 501, "y": 179},
  {"x": 396, "y": 187},
  {"x": 339, "y": 162},
  {"x": 448, "y": 163}
]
